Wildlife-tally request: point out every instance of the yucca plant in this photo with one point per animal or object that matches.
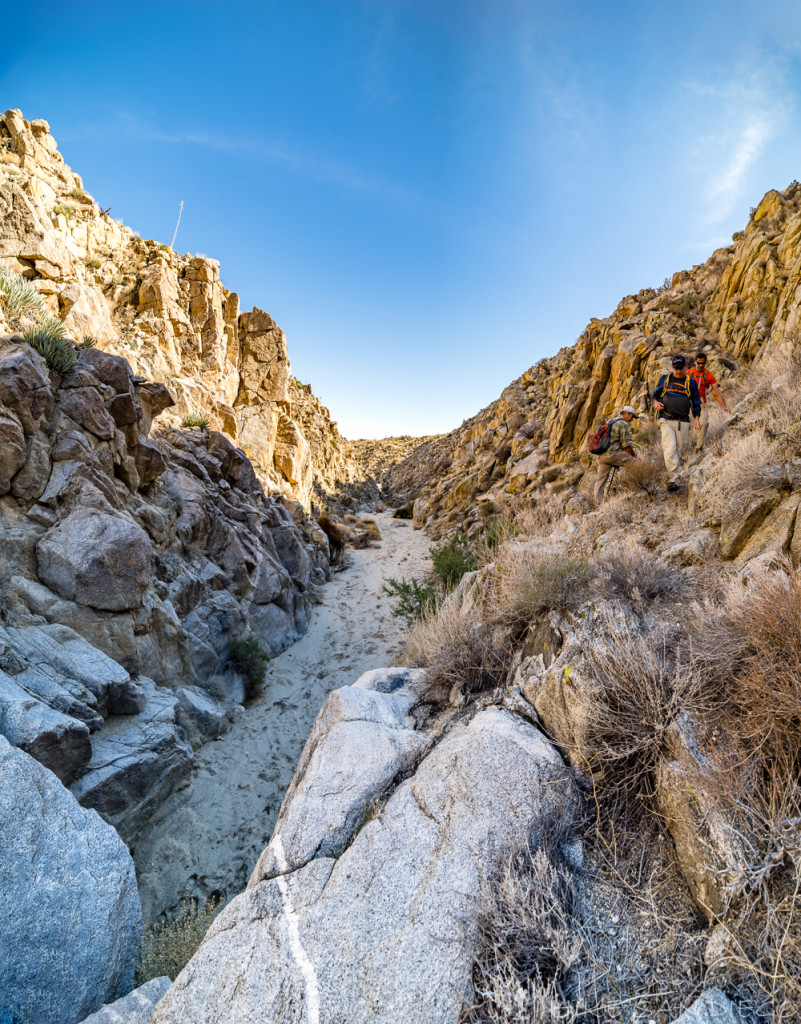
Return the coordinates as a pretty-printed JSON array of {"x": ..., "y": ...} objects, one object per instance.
[
  {"x": 88, "y": 341},
  {"x": 18, "y": 294},
  {"x": 49, "y": 341},
  {"x": 195, "y": 419}
]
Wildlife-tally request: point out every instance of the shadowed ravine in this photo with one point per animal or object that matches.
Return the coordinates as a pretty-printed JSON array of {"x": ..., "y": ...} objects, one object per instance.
[{"x": 208, "y": 835}]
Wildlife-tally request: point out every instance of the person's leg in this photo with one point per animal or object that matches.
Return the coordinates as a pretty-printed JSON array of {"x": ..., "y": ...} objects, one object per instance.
[
  {"x": 604, "y": 469},
  {"x": 670, "y": 450},
  {"x": 700, "y": 437}
]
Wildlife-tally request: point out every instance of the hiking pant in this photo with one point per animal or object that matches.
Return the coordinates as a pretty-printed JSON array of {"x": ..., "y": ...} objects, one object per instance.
[
  {"x": 701, "y": 435},
  {"x": 606, "y": 463},
  {"x": 675, "y": 438}
]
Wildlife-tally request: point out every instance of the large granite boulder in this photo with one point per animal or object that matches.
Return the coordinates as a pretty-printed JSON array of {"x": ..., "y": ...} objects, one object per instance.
[
  {"x": 96, "y": 559},
  {"x": 385, "y": 932},
  {"x": 70, "y": 919},
  {"x": 135, "y": 1008}
]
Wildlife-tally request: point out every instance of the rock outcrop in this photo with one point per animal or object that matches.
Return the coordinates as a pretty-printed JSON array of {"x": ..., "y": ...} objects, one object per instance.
[
  {"x": 70, "y": 920},
  {"x": 739, "y": 306},
  {"x": 364, "y": 909},
  {"x": 130, "y": 560},
  {"x": 167, "y": 313}
]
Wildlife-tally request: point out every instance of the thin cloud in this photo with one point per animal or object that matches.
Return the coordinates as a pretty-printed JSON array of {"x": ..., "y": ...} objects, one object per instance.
[{"x": 747, "y": 111}]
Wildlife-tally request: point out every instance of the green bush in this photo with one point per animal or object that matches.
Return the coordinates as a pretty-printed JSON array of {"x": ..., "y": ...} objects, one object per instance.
[
  {"x": 49, "y": 342},
  {"x": 94, "y": 264},
  {"x": 196, "y": 419},
  {"x": 65, "y": 209},
  {"x": 249, "y": 658},
  {"x": 416, "y": 601},
  {"x": 452, "y": 560},
  {"x": 167, "y": 948}
]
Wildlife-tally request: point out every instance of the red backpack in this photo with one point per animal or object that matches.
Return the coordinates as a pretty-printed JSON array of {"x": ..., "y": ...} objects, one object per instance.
[{"x": 601, "y": 438}]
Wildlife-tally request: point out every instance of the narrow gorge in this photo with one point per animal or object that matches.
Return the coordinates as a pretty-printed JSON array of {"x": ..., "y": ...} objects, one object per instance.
[{"x": 562, "y": 786}]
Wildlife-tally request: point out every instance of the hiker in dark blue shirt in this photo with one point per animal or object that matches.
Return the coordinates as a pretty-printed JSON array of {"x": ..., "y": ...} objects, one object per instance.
[{"x": 677, "y": 400}]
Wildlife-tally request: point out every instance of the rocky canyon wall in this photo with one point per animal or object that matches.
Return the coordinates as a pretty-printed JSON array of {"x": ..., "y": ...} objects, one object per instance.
[{"x": 167, "y": 313}]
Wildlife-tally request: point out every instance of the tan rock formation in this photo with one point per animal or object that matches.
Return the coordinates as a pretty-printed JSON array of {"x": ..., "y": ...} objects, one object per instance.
[
  {"x": 740, "y": 305},
  {"x": 167, "y": 313}
]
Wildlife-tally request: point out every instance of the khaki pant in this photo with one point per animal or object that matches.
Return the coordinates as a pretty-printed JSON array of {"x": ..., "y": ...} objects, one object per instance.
[
  {"x": 606, "y": 463},
  {"x": 675, "y": 438},
  {"x": 701, "y": 435}
]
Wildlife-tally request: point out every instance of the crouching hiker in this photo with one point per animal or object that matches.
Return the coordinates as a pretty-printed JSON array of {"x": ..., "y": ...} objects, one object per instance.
[
  {"x": 676, "y": 398},
  {"x": 612, "y": 444}
]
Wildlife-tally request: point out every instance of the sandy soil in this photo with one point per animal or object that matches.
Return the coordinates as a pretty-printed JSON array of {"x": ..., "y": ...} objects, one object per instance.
[{"x": 207, "y": 837}]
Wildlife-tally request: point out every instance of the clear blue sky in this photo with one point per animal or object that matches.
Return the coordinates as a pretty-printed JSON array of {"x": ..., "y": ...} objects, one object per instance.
[{"x": 427, "y": 195}]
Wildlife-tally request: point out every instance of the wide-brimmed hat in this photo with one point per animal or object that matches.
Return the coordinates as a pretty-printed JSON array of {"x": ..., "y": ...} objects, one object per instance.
[{"x": 630, "y": 408}]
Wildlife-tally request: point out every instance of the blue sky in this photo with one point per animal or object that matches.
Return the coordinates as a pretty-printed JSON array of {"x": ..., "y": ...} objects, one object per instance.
[{"x": 427, "y": 196}]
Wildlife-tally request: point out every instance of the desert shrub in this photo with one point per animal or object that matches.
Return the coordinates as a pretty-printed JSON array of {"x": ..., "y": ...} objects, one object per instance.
[
  {"x": 417, "y": 599},
  {"x": 195, "y": 419},
  {"x": 65, "y": 210},
  {"x": 530, "y": 578},
  {"x": 635, "y": 575},
  {"x": 451, "y": 560},
  {"x": 88, "y": 341},
  {"x": 752, "y": 652},
  {"x": 643, "y": 476},
  {"x": 168, "y": 947},
  {"x": 18, "y": 295},
  {"x": 737, "y": 236},
  {"x": 405, "y": 511},
  {"x": 337, "y": 535},
  {"x": 644, "y": 679},
  {"x": 751, "y": 462},
  {"x": 249, "y": 658},
  {"x": 527, "y": 943},
  {"x": 79, "y": 194},
  {"x": 94, "y": 264},
  {"x": 498, "y": 529},
  {"x": 459, "y": 647},
  {"x": 362, "y": 532},
  {"x": 56, "y": 350}
]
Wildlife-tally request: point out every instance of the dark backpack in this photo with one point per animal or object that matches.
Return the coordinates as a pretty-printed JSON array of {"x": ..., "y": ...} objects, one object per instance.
[{"x": 601, "y": 438}]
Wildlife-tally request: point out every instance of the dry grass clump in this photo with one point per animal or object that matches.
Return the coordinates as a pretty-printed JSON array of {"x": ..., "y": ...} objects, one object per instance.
[
  {"x": 645, "y": 679},
  {"x": 527, "y": 943},
  {"x": 530, "y": 578},
  {"x": 646, "y": 475},
  {"x": 635, "y": 575},
  {"x": 460, "y": 649},
  {"x": 775, "y": 382},
  {"x": 167, "y": 948},
  {"x": 362, "y": 532},
  {"x": 751, "y": 463}
]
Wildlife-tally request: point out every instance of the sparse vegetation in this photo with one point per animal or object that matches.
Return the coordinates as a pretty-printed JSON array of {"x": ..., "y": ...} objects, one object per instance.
[
  {"x": 94, "y": 264},
  {"x": 530, "y": 578},
  {"x": 65, "y": 210},
  {"x": 249, "y": 658},
  {"x": 635, "y": 575},
  {"x": 168, "y": 947},
  {"x": 56, "y": 350},
  {"x": 451, "y": 560},
  {"x": 18, "y": 295},
  {"x": 88, "y": 341},
  {"x": 195, "y": 420},
  {"x": 416, "y": 599}
]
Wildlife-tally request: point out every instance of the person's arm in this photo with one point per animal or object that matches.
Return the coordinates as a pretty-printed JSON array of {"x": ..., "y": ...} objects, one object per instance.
[
  {"x": 719, "y": 397},
  {"x": 625, "y": 439},
  {"x": 695, "y": 399},
  {"x": 655, "y": 396}
]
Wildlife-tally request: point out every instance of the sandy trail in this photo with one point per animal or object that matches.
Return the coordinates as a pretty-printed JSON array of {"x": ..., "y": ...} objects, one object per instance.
[{"x": 208, "y": 835}]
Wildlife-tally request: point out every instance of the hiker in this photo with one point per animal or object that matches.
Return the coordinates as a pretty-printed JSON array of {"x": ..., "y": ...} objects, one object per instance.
[
  {"x": 618, "y": 451},
  {"x": 705, "y": 381},
  {"x": 676, "y": 398}
]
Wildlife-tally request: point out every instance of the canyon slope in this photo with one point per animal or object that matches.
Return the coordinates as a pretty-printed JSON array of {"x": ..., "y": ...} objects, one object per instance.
[
  {"x": 167, "y": 313},
  {"x": 741, "y": 305}
]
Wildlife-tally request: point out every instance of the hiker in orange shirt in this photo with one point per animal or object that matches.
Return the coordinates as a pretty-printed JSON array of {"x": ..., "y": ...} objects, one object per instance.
[{"x": 706, "y": 382}]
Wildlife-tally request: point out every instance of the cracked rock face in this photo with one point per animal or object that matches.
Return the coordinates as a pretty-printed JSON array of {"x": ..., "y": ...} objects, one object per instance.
[{"x": 381, "y": 931}]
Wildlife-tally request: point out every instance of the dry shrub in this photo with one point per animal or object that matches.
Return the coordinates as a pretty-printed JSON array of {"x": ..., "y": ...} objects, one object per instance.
[
  {"x": 458, "y": 647},
  {"x": 752, "y": 647},
  {"x": 750, "y": 464},
  {"x": 167, "y": 948},
  {"x": 646, "y": 475},
  {"x": 539, "y": 519},
  {"x": 527, "y": 943},
  {"x": 530, "y": 578},
  {"x": 776, "y": 381},
  {"x": 644, "y": 680},
  {"x": 635, "y": 575}
]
